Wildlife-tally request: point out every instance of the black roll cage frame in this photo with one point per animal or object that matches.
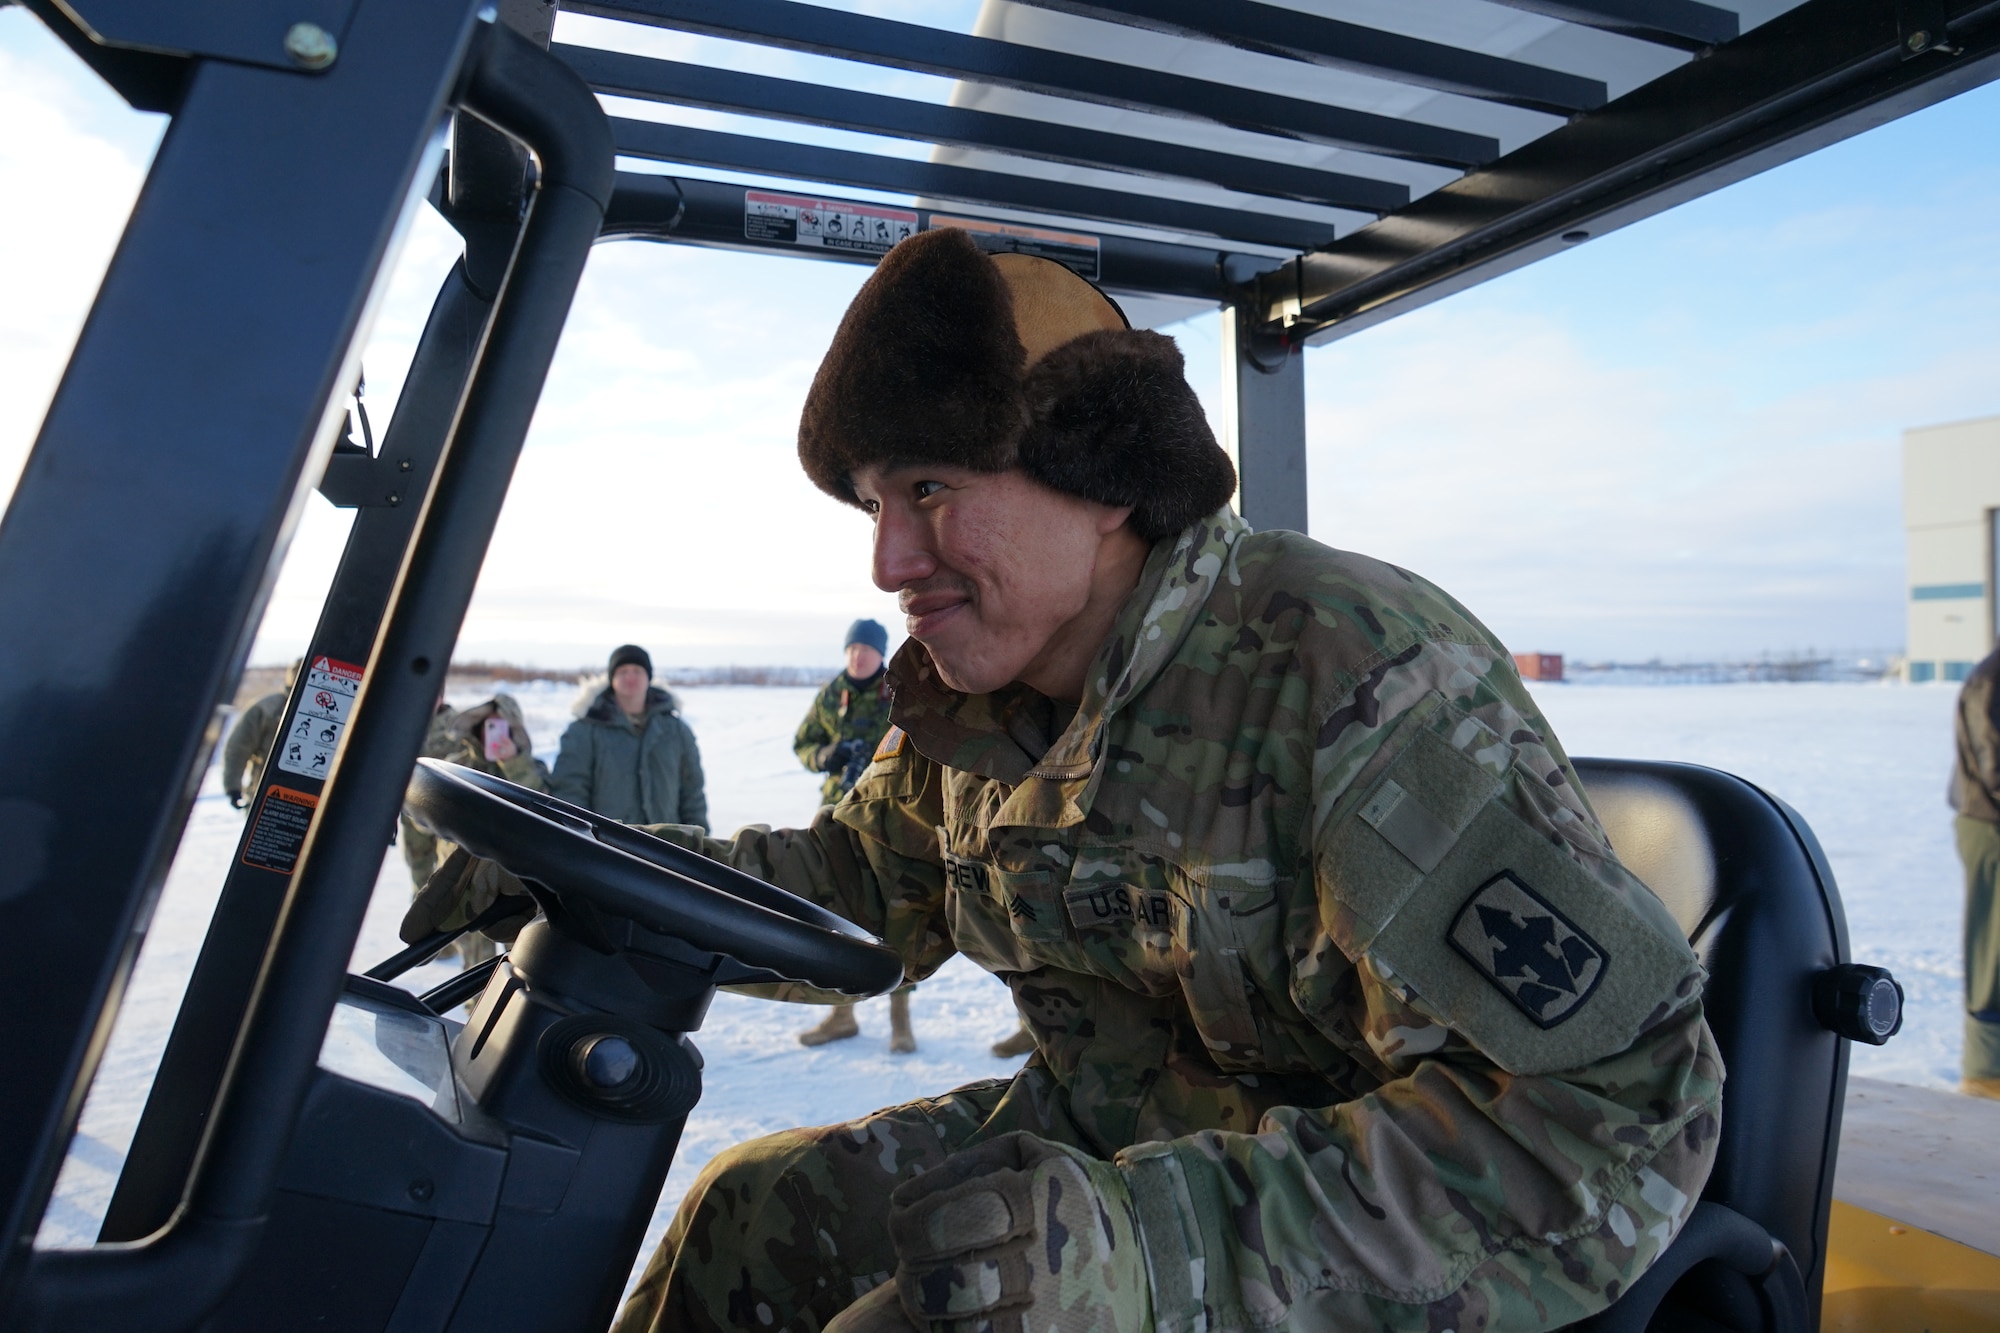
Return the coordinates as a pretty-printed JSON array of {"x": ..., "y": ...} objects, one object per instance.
[{"x": 225, "y": 335}]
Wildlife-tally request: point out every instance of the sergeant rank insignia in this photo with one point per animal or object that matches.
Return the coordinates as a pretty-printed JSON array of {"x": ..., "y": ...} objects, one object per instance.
[{"x": 1532, "y": 952}]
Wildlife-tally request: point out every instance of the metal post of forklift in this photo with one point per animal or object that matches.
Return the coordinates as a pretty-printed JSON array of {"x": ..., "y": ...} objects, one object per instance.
[
  {"x": 228, "y": 317},
  {"x": 1264, "y": 419},
  {"x": 484, "y": 198},
  {"x": 171, "y": 1279},
  {"x": 388, "y": 490}
]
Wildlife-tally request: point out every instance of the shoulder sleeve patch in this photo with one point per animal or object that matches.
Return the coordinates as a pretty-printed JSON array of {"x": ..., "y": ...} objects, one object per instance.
[
  {"x": 1532, "y": 953},
  {"x": 893, "y": 741}
]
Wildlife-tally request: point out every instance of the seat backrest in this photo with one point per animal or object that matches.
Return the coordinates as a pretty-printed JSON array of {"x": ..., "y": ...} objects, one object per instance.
[{"x": 1745, "y": 877}]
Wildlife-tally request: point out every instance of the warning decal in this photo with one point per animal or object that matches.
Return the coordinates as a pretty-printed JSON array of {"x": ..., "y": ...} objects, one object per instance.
[
  {"x": 1074, "y": 250},
  {"x": 283, "y": 817},
  {"x": 830, "y": 224},
  {"x": 314, "y": 731}
]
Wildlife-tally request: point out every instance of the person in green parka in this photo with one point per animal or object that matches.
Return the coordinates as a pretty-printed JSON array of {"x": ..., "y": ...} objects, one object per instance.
[
  {"x": 629, "y": 756},
  {"x": 838, "y": 738}
]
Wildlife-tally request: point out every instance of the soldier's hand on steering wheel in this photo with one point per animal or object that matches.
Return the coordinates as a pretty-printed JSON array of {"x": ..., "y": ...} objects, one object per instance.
[{"x": 459, "y": 891}]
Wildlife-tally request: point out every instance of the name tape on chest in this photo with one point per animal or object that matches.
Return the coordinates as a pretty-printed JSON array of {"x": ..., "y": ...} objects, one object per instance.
[
  {"x": 964, "y": 875},
  {"x": 1534, "y": 954}
]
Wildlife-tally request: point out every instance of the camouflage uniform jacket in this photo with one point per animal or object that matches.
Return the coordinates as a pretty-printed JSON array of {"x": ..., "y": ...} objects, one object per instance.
[
  {"x": 843, "y": 711},
  {"x": 249, "y": 744},
  {"x": 1975, "y": 777},
  {"x": 1319, "y": 940}
]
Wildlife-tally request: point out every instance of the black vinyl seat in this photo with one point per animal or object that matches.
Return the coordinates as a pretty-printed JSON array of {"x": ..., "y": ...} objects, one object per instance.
[{"x": 1746, "y": 879}]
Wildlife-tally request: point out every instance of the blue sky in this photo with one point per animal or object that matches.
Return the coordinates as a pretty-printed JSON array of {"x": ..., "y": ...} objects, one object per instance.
[{"x": 1677, "y": 440}]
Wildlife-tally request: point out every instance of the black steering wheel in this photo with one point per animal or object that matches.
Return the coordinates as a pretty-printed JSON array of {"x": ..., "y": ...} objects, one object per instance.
[{"x": 627, "y": 873}]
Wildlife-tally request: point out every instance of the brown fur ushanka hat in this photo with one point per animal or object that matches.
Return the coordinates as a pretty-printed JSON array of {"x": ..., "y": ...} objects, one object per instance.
[{"x": 949, "y": 355}]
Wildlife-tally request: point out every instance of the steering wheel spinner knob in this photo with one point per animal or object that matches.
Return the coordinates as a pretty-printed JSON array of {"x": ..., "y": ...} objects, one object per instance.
[
  {"x": 619, "y": 1069},
  {"x": 608, "y": 1062}
]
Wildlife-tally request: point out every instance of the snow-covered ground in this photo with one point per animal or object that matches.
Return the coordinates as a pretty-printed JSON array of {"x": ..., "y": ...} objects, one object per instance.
[{"x": 1865, "y": 764}]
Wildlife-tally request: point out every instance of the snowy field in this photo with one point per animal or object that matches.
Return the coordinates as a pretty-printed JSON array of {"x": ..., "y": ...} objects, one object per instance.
[{"x": 1865, "y": 764}]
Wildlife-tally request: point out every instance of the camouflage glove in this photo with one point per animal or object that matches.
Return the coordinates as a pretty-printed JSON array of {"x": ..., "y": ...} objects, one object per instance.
[
  {"x": 458, "y": 891},
  {"x": 1020, "y": 1234}
]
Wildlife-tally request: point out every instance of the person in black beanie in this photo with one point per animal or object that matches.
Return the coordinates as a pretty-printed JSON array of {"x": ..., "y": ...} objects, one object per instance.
[{"x": 629, "y": 756}]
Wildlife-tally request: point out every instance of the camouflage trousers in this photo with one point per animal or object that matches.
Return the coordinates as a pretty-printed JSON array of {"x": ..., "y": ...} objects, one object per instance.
[
  {"x": 786, "y": 1231},
  {"x": 1979, "y": 848}
]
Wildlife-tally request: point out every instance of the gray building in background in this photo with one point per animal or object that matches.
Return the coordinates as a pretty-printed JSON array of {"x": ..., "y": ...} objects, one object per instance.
[{"x": 1951, "y": 522}]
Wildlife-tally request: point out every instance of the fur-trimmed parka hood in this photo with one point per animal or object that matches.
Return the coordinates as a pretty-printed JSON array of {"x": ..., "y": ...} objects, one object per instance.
[
  {"x": 594, "y": 700},
  {"x": 949, "y": 355}
]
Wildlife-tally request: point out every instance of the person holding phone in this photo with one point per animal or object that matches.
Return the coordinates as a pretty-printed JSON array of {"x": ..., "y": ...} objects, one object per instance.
[{"x": 492, "y": 737}]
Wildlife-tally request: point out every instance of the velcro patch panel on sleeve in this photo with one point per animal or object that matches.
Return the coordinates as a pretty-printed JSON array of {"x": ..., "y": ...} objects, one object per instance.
[{"x": 1378, "y": 851}]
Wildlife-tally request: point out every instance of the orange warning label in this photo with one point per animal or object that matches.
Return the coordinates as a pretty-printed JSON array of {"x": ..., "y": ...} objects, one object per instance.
[{"x": 283, "y": 817}]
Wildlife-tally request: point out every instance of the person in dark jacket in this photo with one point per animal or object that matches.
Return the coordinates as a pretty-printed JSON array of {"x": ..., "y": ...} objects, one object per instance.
[
  {"x": 629, "y": 756},
  {"x": 1975, "y": 796}
]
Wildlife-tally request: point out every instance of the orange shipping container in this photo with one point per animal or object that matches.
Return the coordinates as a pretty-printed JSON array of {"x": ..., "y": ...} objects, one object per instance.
[{"x": 1539, "y": 666}]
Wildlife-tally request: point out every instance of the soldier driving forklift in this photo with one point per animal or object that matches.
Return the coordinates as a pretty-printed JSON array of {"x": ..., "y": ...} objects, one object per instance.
[{"x": 1347, "y": 1013}]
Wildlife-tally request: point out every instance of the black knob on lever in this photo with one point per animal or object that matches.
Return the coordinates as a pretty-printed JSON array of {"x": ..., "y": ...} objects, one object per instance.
[{"x": 1858, "y": 1002}]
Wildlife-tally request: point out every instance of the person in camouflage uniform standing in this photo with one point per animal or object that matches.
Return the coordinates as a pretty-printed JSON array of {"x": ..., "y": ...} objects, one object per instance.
[
  {"x": 1975, "y": 801},
  {"x": 460, "y": 737},
  {"x": 1348, "y": 1016},
  {"x": 849, "y": 716},
  {"x": 249, "y": 742},
  {"x": 847, "y": 720}
]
